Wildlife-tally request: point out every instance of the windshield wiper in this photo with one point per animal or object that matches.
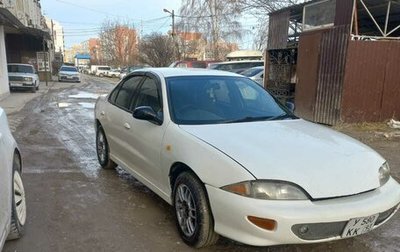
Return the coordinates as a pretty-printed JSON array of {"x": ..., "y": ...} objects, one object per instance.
[
  {"x": 281, "y": 117},
  {"x": 249, "y": 119}
]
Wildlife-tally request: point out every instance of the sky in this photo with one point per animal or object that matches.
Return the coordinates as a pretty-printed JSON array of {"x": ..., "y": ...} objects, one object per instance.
[{"x": 82, "y": 19}]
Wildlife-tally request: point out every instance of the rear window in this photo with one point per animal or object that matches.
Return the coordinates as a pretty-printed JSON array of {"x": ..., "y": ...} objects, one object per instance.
[
  {"x": 104, "y": 68},
  {"x": 199, "y": 64},
  {"x": 20, "y": 69}
]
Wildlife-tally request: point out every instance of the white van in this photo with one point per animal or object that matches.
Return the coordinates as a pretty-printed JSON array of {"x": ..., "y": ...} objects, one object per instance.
[{"x": 99, "y": 70}]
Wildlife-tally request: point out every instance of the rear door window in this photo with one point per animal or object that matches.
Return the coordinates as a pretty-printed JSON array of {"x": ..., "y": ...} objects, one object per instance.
[{"x": 123, "y": 96}]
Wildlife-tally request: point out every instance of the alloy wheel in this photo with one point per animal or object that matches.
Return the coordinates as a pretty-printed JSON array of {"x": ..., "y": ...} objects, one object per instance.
[
  {"x": 19, "y": 198},
  {"x": 186, "y": 210}
]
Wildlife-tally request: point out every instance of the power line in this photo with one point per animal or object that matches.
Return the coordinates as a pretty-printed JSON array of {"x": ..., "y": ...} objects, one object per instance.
[{"x": 110, "y": 14}]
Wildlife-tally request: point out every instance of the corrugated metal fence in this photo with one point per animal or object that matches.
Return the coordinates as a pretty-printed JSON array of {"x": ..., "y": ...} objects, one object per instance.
[
  {"x": 331, "y": 72},
  {"x": 372, "y": 81}
]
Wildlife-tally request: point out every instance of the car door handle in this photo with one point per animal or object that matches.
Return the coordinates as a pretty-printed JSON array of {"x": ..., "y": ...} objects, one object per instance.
[
  {"x": 127, "y": 126},
  {"x": 102, "y": 113}
]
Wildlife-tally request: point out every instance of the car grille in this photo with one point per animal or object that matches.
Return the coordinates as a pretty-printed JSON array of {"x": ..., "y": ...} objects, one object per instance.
[
  {"x": 320, "y": 231},
  {"x": 16, "y": 78},
  {"x": 69, "y": 78}
]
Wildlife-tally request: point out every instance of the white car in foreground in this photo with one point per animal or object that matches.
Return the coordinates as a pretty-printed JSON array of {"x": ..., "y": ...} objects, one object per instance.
[
  {"x": 234, "y": 162},
  {"x": 12, "y": 193}
]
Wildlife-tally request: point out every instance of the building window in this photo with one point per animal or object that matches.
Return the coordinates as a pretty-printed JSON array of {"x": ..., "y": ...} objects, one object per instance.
[{"x": 319, "y": 15}]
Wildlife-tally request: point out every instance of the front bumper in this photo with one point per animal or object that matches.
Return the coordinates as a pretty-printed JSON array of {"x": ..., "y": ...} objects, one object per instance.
[
  {"x": 230, "y": 213},
  {"x": 21, "y": 85},
  {"x": 69, "y": 78}
]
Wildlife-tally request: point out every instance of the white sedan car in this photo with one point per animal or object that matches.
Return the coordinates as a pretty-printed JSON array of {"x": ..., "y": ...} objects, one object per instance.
[
  {"x": 69, "y": 73},
  {"x": 12, "y": 196},
  {"x": 22, "y": 76},
  {"x": 233, "y": 161}
]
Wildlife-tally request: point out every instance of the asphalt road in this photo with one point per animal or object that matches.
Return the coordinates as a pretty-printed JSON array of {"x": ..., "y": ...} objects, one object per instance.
[{"x": 74, "y": 205}]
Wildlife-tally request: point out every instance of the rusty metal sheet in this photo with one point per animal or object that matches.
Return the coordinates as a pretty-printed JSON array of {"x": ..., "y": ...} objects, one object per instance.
[
  {"x": 372, "y": 86},
  {"x": 278, "y": 30},
  {"x": 344, "y": 12},
  {"x": 307, "y": 72},
  {"x": 391, "y": 88},
  {"x": 331, "y": 73}
]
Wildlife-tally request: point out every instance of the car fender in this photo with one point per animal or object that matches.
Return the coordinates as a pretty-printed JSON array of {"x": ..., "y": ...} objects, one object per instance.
[{"x": 212, "y": 166}]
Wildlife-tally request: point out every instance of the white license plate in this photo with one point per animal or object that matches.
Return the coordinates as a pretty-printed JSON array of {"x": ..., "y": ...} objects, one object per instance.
[
  {"x": 358, "y": 226},
  {"x": 70, "y": 77},
  {"x": 14, "y": 84}
]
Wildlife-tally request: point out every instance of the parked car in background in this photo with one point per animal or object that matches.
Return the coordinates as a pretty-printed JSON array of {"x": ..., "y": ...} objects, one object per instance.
[
  {"x": 231, "y": 160},
  {"x": 127, "y": 70},
  {"x": 94, "y": 69},
  {"x": 69, "y": 73},
  {"x": 101, "y": 71},
  {"x": 22, "y": 76},
  {"x": 256, "y": 74},
  {"x": 191, "y": 64},
  {"x": 12, "y": 193},
  {"x": 236, "y": 66},
  {"x": 113, "y": 73}
]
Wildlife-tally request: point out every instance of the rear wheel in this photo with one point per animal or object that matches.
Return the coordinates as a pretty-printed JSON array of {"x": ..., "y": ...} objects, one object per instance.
[
  {"x": 18, "y": 208},
  {"x": 103, "y": 150},
  {"x": 193, "y": 215}
]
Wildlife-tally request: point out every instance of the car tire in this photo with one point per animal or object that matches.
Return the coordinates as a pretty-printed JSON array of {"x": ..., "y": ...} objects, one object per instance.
[
  {"x": 33, "y": 89},
  {"x": 101, "y": 75},
  {"x": 103, "y": 150},
  {"x": 18, "y": 208},
  {"x": 37, "y": 88},
  {"x": 193, "y": 215}
]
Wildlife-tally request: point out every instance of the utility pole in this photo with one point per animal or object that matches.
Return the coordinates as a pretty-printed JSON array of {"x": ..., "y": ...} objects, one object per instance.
[{"x": 173, "y": 20}]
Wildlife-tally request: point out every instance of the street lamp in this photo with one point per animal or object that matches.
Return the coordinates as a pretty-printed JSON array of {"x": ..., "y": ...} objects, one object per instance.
[{"x": 173, "y": 20}]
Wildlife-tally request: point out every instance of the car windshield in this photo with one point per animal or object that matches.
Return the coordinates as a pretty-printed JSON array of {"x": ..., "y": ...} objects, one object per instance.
[
  {"x": 221, "y": 99},
  {"x": 20, "y": 69},
  {"x": 252, "y": 72},
  {"x": 68, "y": 69}
]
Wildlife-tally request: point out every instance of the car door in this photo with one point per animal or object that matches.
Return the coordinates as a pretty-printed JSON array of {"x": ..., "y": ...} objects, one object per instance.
[
  {"x": 117, "y": 114},
  {"x": 145, "y": 138}
]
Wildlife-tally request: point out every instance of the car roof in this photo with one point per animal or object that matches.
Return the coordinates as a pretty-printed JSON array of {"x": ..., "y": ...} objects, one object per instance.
[
  {"x": 237, "y": 62},
  {"x": 175, "y": 72}
]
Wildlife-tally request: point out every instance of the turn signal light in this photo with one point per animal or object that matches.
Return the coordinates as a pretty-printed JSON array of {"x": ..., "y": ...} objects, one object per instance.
[{"x": 267, "y": 224}]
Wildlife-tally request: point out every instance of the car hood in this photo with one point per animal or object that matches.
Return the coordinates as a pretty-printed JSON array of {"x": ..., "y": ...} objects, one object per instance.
[
  {"x": 322, "y": 161},
  {"x": 22, "y": 74}
]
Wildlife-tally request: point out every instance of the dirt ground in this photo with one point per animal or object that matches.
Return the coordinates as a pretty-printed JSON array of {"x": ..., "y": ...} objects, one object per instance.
[{"x": 74, "y": 205}]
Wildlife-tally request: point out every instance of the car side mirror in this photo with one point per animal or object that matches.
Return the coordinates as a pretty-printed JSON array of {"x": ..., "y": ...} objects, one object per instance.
[
  {"x": 147, "y": 113},
  {"x": 290, "y": 106}
]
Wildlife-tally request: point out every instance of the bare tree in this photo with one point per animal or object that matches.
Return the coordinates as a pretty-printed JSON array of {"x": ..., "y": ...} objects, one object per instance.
[
  {"x": 261, "y": 9},
  {"x": 217, "y": 20},
  {"x": 157, "y": 50},
  {"x": 119, "y": 43}
]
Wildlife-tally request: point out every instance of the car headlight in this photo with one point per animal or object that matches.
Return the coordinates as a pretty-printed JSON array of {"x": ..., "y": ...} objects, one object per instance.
[
  {"x": 384, "y": 173},
  {"x": 268, "y": 190},
  {"x": 28, "y": 79}
]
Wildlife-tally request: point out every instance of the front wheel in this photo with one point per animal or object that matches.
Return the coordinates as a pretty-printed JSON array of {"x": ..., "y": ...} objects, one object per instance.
[
  {"x": 193, "y": 215},
  {"x": 18, "y": 207},
  {"x": 103, "y": 150}
]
